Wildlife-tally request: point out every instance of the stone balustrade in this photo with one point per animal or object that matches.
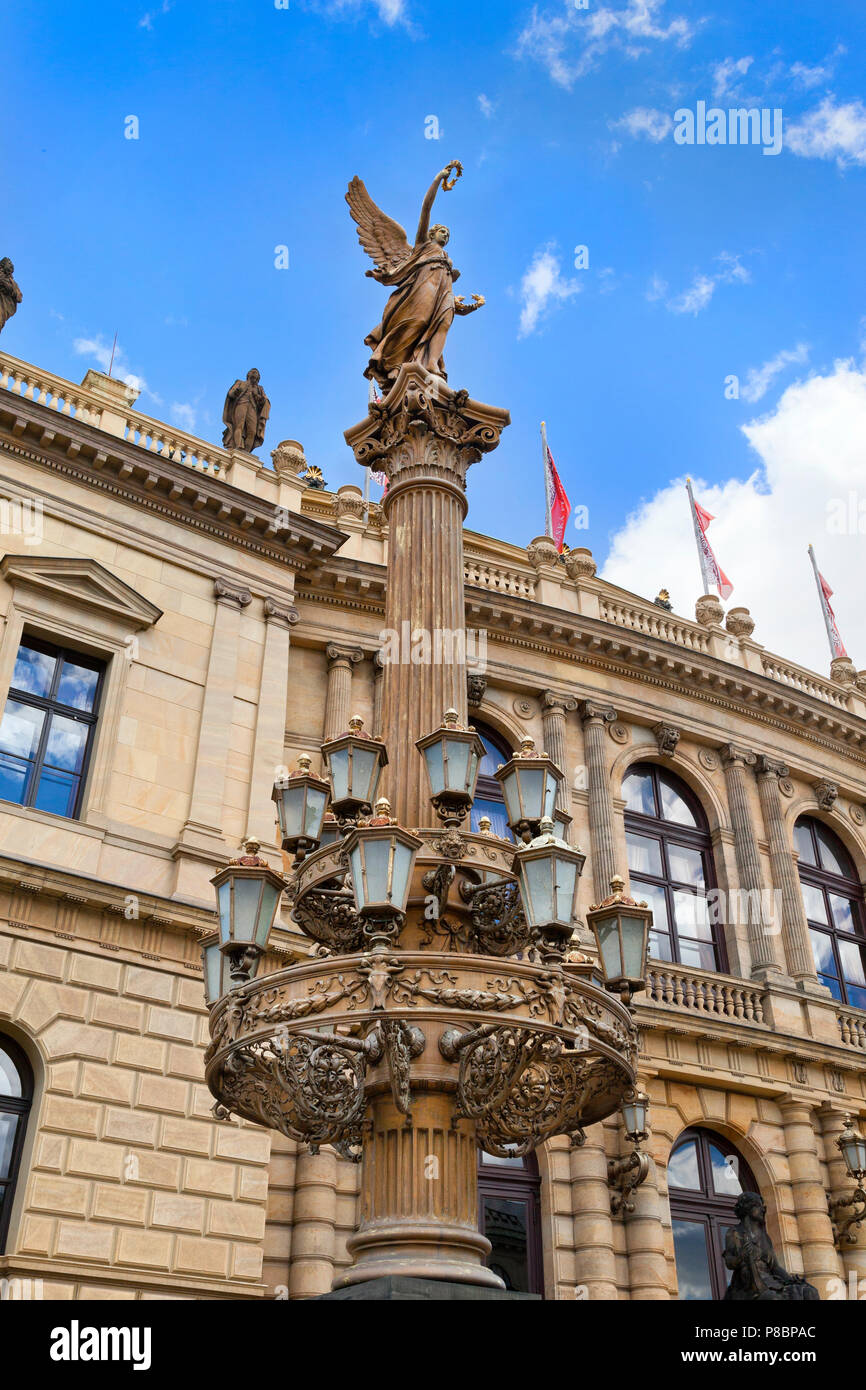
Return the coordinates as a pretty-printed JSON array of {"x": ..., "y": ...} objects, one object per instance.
[
  {"x": 654, "y": 622},
  {"x": 175, "y": 444},
  {"x": 852, "y": 1026},
  {"x": 672, "y": 986},
  {"x": 35, "y": 384},
  {"x": 802, "y": 680},
  {"x": 500, "y": 578}
]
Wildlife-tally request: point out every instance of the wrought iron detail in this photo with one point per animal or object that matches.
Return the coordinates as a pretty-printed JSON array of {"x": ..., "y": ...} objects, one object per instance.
[{"x": 328, "y": 916}]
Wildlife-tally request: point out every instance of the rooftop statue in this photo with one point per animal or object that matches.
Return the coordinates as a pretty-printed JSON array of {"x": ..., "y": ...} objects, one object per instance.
[
  {"x": 421, "y": 310},
  {"x": 10, "y": 294},
  {"x": 757, "y": 1274},
  {"x": 244, "y": 414}
]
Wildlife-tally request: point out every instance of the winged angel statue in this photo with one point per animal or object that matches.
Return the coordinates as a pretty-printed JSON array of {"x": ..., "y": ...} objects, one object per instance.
[{"x": 421, "y": 310}]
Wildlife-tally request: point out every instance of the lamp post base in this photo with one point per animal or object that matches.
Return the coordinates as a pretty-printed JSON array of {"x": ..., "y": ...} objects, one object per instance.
[{"x": 397, "y": 1288}]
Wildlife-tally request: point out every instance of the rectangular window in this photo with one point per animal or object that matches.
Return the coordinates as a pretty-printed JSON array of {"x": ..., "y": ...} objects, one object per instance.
[{"x": 48, "y": 725}]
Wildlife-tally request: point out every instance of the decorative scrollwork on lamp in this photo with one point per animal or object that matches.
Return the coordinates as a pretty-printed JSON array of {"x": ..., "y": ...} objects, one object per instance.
[
  {"x": 852, "y": 1147},
  {"x": 626, "y": 1174}
]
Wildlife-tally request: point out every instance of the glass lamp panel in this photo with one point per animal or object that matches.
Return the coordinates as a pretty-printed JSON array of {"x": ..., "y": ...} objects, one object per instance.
[
  {"x": 632, "y": 929},
  {"x": 213, "y": 970},
  {"x": 403, "y": 858},
  {"x": 246, "y": 908},
  {"x": 224, "y": 907},
  {"x": 435, "y": 768},
  {"x": 644, "y": 854},
  {"x": 608, "y": 941},
  {"x": 365, "y": 773},
  {"x": 531, "y": 781},
  {"x": 565, "y": 878},
  {"x": 457, "y": 754},
  {"x": 512, "y": 797},
  {"x": 356, "y": 869},
  {"x": 376, "y": 860},
  {"x": 634, "y": 1116},
  {"x": 267, "y": 911},
  {"x": 854, "y": 1153},
  {"x": 291, "y": 807},
  {"x": 549, "y": 794},
  {"x": 315, "y": 807},
  {"x": 537, "y": 876},
  {"x": 338, "y": 767}
]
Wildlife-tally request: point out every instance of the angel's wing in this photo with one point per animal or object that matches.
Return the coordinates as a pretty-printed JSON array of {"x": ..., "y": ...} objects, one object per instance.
[{"x": 382, "y": 238}]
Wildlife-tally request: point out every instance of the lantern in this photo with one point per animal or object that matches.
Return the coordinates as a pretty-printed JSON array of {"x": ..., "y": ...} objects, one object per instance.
[
  {"x": 354, "y": 762},
  {"x": 216, "y": 969},
  {"x": 381, "y": 858},
  {"x": 301, "y": 801},
  {"x": 852, "y": 1147},
  {"x": 529, "y": 782},
  {"x": 621, "y": 926},
  {"x": 452, "y": 756},
  {"x": 248, "y": 894},
  {"x": 634, "y": 1116},
  {"x": 548, "y": 869}
]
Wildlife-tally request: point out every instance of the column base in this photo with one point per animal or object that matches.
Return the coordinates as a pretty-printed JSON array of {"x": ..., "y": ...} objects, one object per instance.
[{"x": 393, "y": 1288}]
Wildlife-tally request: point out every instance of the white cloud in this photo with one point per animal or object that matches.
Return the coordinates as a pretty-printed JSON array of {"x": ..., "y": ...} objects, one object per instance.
[
  {"x": 486, "y": 106},
  {"x": 699, "y": 293},
  {"x": 391, "y": 12},
  {"x": 760, "y": 379},
  {"x": 184, "y": 414},
  {"x": 725, "y": 72},
  {"x": 695, "y": 298},
  {"x": 810, "y": 452},
  {"x": 646, "y": 122},
  {"x": 812, "y": 76},
  {"x": 100, "y": 351},
  {"x": 146, "y": 21},
  {"x": 542, "y": 286},
  {"x": 831, "y": 131},
  {"x": 569, "y": 42},
  {"x": 656, "y": 289}
]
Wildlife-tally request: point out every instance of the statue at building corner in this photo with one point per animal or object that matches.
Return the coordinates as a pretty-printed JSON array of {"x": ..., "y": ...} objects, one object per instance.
[
  {"x": 756, "y": 1274},
  {"x": 10, "y": 294},
  {"x": 421, "y": 309},
  {"x": 244, "y": 414}
]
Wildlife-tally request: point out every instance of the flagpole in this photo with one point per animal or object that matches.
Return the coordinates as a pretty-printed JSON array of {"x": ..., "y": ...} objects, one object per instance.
[
  {"x": 823, "y": 602},
  {"x": 548, "y": 529},
  {"x": 705, "y": 574}
]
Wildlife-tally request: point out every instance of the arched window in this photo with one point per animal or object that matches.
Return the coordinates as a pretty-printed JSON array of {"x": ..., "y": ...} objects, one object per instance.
[
  {"x": 670, "y": 863},
  {"x": 509, "y": 1215},
  {"x": 489, "y": 800},
  {"x": 16, "y": 1098},
  {"x": 833, "y": 896},
  {"x": 706, "y": 1175}
]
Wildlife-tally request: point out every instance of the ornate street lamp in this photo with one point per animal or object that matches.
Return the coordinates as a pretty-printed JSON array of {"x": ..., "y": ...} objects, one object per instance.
[
  {"x": 248, "y": 893},
  {"x": 621, "y": 926},
  {"x": 529, "y": 782},
  {"x": 852, "y": 1147},
  {"x": 301, "y": 799},
  {"x": 354, "y": 762},
  {"x": 381, "y": 858},
  {"x": 548, "y": 869},
  {"x": 452, "y": 756},
  {"x": 626, "y": 1174},
  {"x": 216, "y": 966},
  {"x": 331, "y": 830}
]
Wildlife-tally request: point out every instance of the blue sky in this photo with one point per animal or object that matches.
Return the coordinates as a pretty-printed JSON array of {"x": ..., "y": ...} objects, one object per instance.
[{"x": 704, "y": 261}]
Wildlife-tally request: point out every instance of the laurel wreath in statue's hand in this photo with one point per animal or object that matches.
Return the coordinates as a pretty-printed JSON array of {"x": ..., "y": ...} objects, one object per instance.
[{"x": 458, "y": 172}]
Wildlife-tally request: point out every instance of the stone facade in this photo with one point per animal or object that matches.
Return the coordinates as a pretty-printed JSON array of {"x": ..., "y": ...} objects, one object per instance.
[{"x": 239, "y": 615}]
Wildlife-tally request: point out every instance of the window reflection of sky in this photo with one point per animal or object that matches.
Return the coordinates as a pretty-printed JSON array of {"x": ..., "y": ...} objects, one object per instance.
[
  {"x": 20, "y": 729},
  {"x": 77, "y": 686},
  {"x": 34, "y": 671}
]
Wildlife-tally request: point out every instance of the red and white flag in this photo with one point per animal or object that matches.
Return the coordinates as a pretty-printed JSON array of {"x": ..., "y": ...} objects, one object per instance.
[
  {"x": 558, "y": 505},
  {"x": 825, "y": 593},
  {"x": 710, "y": 567}
]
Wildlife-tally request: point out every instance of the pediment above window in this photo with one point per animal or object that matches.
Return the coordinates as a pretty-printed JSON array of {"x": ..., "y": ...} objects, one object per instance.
[{"x": 84, "y": 583}]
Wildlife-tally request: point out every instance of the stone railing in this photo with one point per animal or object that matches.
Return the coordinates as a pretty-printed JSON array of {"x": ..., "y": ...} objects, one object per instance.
[
  {"x": 675, "y": 988},
  {"x": 653, "y": 622},
  {"x": 853, "y": 1028},
  {"x": 87, "y": 407},
  {"x": 501, "y": 578},
  {"x": 801, "y": 680}
]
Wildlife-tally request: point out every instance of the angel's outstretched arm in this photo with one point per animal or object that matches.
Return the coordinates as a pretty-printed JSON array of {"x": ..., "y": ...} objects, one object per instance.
[{"x": 427, "y": 207}]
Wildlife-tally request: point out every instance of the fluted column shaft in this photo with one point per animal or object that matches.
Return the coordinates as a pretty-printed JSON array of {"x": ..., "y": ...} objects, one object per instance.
[
  {"x": 820, "y": 1264},
  {"x": 270, "y": 735},
  {"x": 595, "y": 1261},
  {"x": 603, "y": 850},
  {"x": 554, "y": 709},
  {"x": 786, "y": 881},
  {"x": 751, "y": 880},
  {"x": 841, "y": 1184},
  {"x": 338, "y": 699}
]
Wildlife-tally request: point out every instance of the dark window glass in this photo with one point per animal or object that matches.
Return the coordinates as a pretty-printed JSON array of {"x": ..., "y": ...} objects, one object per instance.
[
  {"x": 706, "y": 1175},
  {"x": 671, "y": 866},
  {"x": 833, "y": 899},
  {"x": 489, "y": 800},
  {"x": 510, "y": 1217},
  {"x": 16, "y": 1097},
  {"x": 47, "y": 728}
]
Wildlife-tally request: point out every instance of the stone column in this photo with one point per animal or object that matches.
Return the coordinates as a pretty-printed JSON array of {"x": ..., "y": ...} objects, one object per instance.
[
  {"x": 595, "y": 1261},
  {"x": 841, "y": 1184},
  {"x": 820, "y": 1263},
  {"x": 204, "y": 823},
  {"x": 595, "y": 718},
  {"x": 338, "y": 699},
  {"x": 314, "y": 1224},
  {"x": 786, "y": 881},
  {"x": 269, "y": 745},
  {"x": 554, "y": 709},
  {"x": 378, "y": 671},
  {"x": 424, "y": 436},
  {"x": 751, "y": 879}
]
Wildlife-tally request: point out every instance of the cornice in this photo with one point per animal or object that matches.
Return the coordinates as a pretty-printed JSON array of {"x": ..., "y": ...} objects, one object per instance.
[{"x": 186, "y": 495}]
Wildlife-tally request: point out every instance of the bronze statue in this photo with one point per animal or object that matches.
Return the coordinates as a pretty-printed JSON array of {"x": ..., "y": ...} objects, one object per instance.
[
  {"x": 757, "y": 1274},
  {"x": 244, "y": 414},
  {"x": 421, "y": 310},
  {"x": 10, "y": 294}
]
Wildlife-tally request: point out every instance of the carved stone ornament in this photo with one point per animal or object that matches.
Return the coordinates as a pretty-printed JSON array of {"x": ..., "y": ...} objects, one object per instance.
[
  {"x": 709, "y": 611},
  {"x": 826, "y": 793},
  {"x": 225, "y": 591},
  {"x": 542, "y": 552},
  {"x": 349, "y": 502},
  {"x": 740, "y": 622},
  {"x": 289, "y": 459},
  {"x": 476, "y": 685},
  {"x": 525, "y": 708},
  {"x": 619, "y": 732},
  {"x": 708, "y": 759},
  {"x": 857, "y": 814},
  {"x": 843, "y": 671},
  {"x": 667, "y": 737},
  {"x": 579, "y": 563}
]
